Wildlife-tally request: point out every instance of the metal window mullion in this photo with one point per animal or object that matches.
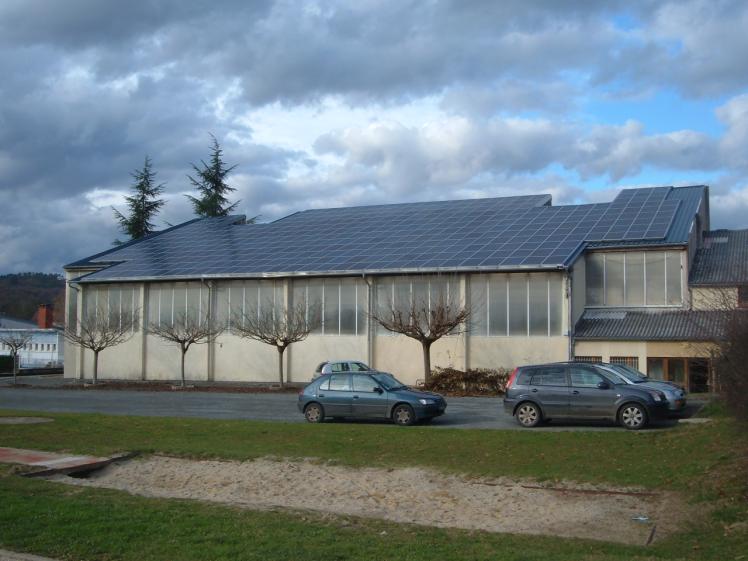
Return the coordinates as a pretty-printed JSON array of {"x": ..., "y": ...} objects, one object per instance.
[
  {"x": 527, "y": 302},
  {"x": 625, "y": 302},
  {"x": 340, "y": 302},
  {"x": 605, "y": 280},
  {"x": 664, "y": 260},
  {"x": 324, "y": 332},
  {"x": 488, "y": 306},
  {"x": 548, "y": 303},
  {"x": 172, "y": 304},
  {"x": 645, "y": 279},
  {"x": 355, "y": 307},
  {"x": 506, "y": 302}
]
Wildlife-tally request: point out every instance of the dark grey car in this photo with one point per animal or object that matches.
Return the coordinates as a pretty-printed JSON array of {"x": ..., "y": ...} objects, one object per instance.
[
  {"x": 376, "y": 395},
  {"x": 580, "y": 391},
  {"x": 674, "y": 394}
]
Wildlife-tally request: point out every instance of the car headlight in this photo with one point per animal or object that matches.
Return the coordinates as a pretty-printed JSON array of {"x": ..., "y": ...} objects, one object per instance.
[
  {"x": 426, "y": 401},
  {"x": 657, "y": 396}
]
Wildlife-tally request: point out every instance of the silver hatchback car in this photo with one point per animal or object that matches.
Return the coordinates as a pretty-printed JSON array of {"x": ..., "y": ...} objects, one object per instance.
[{"x": 336, "y": 366}]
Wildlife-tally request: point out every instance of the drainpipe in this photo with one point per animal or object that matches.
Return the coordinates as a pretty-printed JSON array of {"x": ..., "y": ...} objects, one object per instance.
[
  {"x": 570, "y": 308},
  {"x": 369, "y": 326},
  {"x": 210, "y": 374}
]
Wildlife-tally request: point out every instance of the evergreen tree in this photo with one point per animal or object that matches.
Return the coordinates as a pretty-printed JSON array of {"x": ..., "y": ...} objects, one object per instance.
[
  {"x": 211, "y": 185},
  {"x": 143, "y": 205}
]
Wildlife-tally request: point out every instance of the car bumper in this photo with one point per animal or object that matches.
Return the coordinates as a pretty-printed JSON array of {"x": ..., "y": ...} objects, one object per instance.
[
  {"x": 509, "y": 405},
  {"x": 428, "y": 411},
  {"x": 659, "y": 411}
]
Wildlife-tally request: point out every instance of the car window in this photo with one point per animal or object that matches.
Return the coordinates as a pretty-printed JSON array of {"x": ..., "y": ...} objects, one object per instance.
[
  {"x": 551, "y": 376},
  {"x": 339, "y": 367},
  {"x": 358, "y": 367},
  {"x": 325, "y": 384},
  {"x": 363, "y": 383},
  {"x": 340, "y": 382},
  {"x": 584, "y": 377}
]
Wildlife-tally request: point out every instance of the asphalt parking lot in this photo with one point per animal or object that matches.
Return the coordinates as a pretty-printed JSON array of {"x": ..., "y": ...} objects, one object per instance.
[{"x": 462, "y": 412}]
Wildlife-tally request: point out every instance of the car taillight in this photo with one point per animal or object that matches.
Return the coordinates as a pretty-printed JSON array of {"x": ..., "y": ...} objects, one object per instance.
[{"x": 511, "y": 379}]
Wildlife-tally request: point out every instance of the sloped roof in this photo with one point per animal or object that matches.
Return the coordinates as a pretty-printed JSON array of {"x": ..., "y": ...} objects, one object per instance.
[
  {"x": 11, "y": 323},
  {"x": 722, "y": 260},
  {"x": 506, "y": 233},
  {"x": 649, "y": 325}
]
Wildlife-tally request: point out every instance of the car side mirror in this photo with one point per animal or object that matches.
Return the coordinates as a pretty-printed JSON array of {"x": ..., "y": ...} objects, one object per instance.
[
  {"x": 603, "y": 386},
  {"x": 378, "y": 390}
]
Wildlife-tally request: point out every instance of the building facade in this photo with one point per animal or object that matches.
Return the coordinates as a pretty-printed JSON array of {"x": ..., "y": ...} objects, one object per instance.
[
  {"x": 608, "y": 281},
  {"x": 45, "y": 348}
]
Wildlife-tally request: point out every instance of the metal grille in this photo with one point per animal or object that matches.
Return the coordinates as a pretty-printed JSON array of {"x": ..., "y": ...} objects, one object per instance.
[
  {"x": 632, "y": 361},
  {"x": 588, "y": 359}
]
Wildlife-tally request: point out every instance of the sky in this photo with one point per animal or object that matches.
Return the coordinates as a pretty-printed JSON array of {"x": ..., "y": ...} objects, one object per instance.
[{"x": 324, "y": 104}]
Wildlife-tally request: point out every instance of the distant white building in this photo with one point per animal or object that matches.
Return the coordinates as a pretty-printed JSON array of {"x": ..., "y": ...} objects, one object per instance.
[{"x": 45, "y": 350}]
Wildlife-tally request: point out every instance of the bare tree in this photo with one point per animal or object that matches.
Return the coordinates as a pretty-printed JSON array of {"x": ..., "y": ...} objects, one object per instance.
[
  {"x": 425, "y": 320},
  {"x": 187, "y": 329},
  {"x": 15, "y": 340},
  {"x": 280, "y": 328},
  {"x": 97, "y": 331}
]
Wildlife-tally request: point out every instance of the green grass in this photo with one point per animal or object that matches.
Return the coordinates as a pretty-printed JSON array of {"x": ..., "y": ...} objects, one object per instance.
[
  {"x": 645, "y": 458},
  {"x": 703, "y": 461}
]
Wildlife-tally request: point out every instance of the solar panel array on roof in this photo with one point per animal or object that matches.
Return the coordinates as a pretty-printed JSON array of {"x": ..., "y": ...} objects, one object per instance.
[{"x": 480, "y": 234}]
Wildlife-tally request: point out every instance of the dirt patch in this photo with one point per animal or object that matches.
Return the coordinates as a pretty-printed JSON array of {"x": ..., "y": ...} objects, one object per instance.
[
  {"x": 410, "y": 495},
  {"x": 24, "y": 420}
]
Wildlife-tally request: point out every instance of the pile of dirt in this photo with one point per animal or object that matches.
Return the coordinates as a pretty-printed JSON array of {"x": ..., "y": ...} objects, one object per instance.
[{"x": 410, "y": 495}]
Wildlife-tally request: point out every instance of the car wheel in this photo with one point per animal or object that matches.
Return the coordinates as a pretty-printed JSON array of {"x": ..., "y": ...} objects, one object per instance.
[
  {"x": 632, "y": 416},
  {"x": 528, "y": 415},
  {"x": 314, "y": 413},
  {"x": 403, "y": 415}
]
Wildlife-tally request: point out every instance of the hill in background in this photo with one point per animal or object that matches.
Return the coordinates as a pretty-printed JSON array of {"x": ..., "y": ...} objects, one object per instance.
[{"x": 22, "y": 293}]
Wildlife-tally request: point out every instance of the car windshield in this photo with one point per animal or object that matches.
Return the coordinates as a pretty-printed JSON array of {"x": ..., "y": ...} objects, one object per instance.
[
  {"x": 628, "y": 373},
  {"x": 388, "y": 381},
  {"x": 615, "y": 377}
]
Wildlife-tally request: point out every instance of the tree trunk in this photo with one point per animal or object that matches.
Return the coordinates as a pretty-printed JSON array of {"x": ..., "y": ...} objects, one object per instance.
[
  {"x": 426, "y": 362},
  {"x": 15, "y": 368},
  {"x": 184, "y": 352},
  {"x": 280, "y": 365},
  {"x": 96, "y": 366}
]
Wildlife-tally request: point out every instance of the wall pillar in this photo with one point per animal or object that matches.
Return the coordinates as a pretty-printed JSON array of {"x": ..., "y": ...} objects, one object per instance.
[
  {"x": 81, "y": 351},
  {"x": 465, "y": 301},
  {"x": 144, "y": 314}
]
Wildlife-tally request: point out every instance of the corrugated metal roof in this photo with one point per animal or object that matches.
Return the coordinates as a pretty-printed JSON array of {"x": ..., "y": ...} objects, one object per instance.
[
  {"x": 649, "y": 325},
  {"x": 722, "y": 260},
  {"x": 497, "y": 234}
]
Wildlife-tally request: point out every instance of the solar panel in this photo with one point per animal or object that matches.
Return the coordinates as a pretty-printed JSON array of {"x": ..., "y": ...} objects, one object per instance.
[{"x": 479, "y": 233}]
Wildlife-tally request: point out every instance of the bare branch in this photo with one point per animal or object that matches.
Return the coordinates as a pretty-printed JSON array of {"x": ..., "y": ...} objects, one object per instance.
[
  {"x": 15, "y": 340},
  {"x": 280, "y": 328}
]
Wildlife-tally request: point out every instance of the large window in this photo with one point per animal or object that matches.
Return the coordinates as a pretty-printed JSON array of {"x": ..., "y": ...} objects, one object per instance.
[
  {"x": 424, "y": 292},
  {"x": 168, "y": 302},
  {"x": 516, "y": 304},
  {"x": 116, "y": 302},
  {"x": 339, "y": 303},
  {"x": 634, "y": 278}
]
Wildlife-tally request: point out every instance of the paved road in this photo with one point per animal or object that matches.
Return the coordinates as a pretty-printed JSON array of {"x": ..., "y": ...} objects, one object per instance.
[{"x": 462, "y": 412}]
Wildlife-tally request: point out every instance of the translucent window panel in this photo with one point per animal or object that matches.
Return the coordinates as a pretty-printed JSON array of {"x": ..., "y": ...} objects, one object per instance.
[
  {"x": 614, "y": 279},
  {"x": 222, "y": 303},
  {"x": 497, "y": 305},
  {"x": 538, "y": 287},
  {"x": 180, "y": 301},
  {"x": 439, "y": 290},
  {"x": 384, "y": 302},
  {"x": 279, "y": 298},
  {"x": 478, "y": 307},
  {"x": 347, "y": 307},
  {"x": 267, "y": 296},
  {"x": 154, "y": 296},
  {"x": 673, "y": 265},
  {"x": 402, "y": 295},
  {"x": 332, "y": 307},
  {"x": 129, "y": 297},
  {"x": 655, "y": 275},
  {"x": 236, "y": 301},
  {"x": 517, "y": 305},
  {"x": 362, "y": 305},
  {"x": 193, "y": 304},
  {"x": 72, "y": 320},
  {"x": 421, "y": 293},
  {"x": 656, "y": 368},
  {"x": 114, "y": 305},
  {"x": 594, "y": 279},
  {"x": 555, "y": 303},
  {"x": 298, "y": 293},
  {"x": 635, "y": 278},
  {"x": 314, "y": 304}
]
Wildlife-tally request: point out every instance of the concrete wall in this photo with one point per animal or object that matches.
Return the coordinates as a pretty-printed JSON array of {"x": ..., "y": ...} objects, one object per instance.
[{"x": 642, "y": 350}]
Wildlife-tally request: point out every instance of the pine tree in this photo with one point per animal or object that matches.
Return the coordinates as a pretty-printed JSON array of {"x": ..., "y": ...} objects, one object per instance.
[
  {"x": 143, "y": 205},
  {"x": 211, "y": 185}
]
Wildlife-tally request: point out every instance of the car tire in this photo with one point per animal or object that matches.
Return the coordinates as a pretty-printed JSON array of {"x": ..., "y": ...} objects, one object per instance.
[
  {"x": 403, "y": 415},
  {"x": 314, "y": 413},
  {"x": 528, "y": 415},
  {"x": 632, "y": 416}
]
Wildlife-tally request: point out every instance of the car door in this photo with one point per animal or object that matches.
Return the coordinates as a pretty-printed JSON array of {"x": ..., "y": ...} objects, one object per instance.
[
  {"x": 549, "y": 387},
  {"x": 587, "y": 399},
  {"x": 336, "y": 396},
  {"x": 369, "y": 400}
]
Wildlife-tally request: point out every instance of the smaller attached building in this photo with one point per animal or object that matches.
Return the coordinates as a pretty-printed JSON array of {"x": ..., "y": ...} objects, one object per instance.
[{"x": 46, "y": 347}]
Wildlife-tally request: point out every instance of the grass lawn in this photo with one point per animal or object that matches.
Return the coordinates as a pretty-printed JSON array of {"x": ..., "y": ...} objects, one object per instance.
[{"x": 706, "y": 462}]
